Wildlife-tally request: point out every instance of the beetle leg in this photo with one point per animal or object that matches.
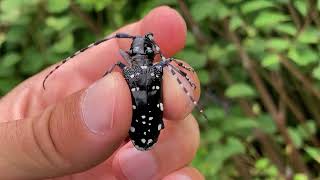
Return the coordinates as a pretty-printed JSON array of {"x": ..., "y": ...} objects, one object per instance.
[
  {"x": 126, "y": 56},
  {"x": 116, "y": 36},
  {"x": 174, "y": 69},
  {"x": 119, "y": 64},
  {"x": 181, "y": 65}
]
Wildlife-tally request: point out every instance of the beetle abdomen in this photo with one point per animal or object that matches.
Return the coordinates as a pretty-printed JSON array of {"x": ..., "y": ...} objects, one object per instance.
[{"x": 147, "y": 106}]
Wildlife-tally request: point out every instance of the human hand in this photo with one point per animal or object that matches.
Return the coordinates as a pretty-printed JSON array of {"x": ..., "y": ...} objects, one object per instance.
[{"x": 65, "y": 133}]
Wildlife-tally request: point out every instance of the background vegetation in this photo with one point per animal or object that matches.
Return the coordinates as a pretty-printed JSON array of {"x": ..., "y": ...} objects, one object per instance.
[{"x": 258, "y": 61}]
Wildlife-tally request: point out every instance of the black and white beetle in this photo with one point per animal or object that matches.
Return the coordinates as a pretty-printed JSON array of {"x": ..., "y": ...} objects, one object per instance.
[{"x": 144, "y": 79}]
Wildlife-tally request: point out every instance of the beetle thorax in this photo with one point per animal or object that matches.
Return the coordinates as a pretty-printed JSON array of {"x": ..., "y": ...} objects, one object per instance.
[
  {"x": 138, "y": 51},
  {"x": 137, "y": 46}
]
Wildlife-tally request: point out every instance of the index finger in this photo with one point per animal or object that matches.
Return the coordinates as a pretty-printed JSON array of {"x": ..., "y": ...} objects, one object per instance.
[{"x": 169, "y": 30}]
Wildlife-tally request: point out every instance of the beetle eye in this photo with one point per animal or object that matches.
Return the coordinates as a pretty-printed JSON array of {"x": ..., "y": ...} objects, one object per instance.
[
  {"x": 149, "y": 36},
  {"x": 149, "y": 50}
]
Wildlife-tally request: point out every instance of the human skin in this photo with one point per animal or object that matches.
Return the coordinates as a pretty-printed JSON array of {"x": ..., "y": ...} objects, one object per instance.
[{"x": 77, "y": 127}]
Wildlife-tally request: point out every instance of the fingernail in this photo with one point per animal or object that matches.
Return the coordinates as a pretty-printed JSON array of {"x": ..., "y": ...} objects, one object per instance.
[
  {"x": 98, "y": 105},
  {"x": 138, "y": 165}
]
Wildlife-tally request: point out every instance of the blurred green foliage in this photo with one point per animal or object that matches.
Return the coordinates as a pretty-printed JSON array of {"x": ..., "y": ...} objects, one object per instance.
[{"x": 258, "y": 62}]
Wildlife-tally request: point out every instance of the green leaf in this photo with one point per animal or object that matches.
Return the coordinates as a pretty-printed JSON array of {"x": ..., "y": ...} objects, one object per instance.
[
  {"x": 300, "y": 176},
  {"x": 237, "y": 124},
  {"x": 301, "y": 5},
  {"x": 269, "y": 19},
  {"x": 286, "y": 28},
  {"x": 255, "y": 45},
  {"x": 296, "y": 138},
  {"x": 235, "y": 22},
  {"x": 202, "y": 10},
  {"x": 233, "y": 147},
  {"x": 216, "y": 52},
  {"x": 2, "y": 38},
  {"x": 213, "y": 135},
  {"x": 10, "y": 11},
  {"x": 266, "y": 124},
  {"x": 271, "y": 61},
  {"x": 240, "y": 90},
  {"x": 32, "y": 62},
  {"x": 57, "y": 6},
  {"x": 15, "y": 33},
  {"x": 8, "y": 83},
  {"x": 10, "y": 59},
  {"x": 309, "y": 35},
  {"x": 58, "y": 23},
  {"x": 314, "y": 153},
  {"x": 192, "y": 57},
  {"x": 316, "y": 72},
  {"x": 65, "y": 44},
  {"x": 262, "y": 164},
  {"x": 307, "y": 129},
  {"x": 255, "y": 5},
  {"x": 190, "y": 41},
  {"x": 215, "y": 113},
  {"x": 98, "y": 5},
  {"x": 278, "y": 44},
  {"x": 302, "y": 55},
  {"x": 203, "y": 76}
]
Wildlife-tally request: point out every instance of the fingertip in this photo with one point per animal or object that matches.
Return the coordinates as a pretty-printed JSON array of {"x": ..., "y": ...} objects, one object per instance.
[
  {"x": 186, "y": 173},
  {"x": 168, "y": 27}
]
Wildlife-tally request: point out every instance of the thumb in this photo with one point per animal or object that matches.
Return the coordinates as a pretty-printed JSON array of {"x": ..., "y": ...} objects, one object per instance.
[{"x": 71, "y": 136}]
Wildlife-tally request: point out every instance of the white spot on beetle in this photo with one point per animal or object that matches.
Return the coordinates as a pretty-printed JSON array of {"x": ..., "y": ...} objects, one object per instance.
[
  {"x": 136, "y": 49},
  {"x": 148, "y": 130},
  {"x": 159, "y": 127},
  {"x": 152, "y": 74},
  {"x": 149, "y": 124},
  {"x": 137, "y": 88},
  {"x": 157, "y": 87},
  {"x": 161, "y": 106},
  {"x": 132, "y": 76},
  {"x": 133, "y": 89},
  {"x": 134, "y": 107},
  {"x": 137, "y": 120},
  {"x": 143, "y": 141},
  {"x": 149, "y": 141},
  {"x": 150, "y": 118},
  {"x": 145, "y": 133},
  {"x": 143, "y": 116},
  {"x": 144, "y": 67},
  {"x": 132, "y": 129},
  {"x": 153, "y": 87},
  {"x": 143, "y": 122}
]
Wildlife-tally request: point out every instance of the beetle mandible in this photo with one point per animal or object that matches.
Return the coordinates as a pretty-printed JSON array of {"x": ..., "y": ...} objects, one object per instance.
[{"x": 144, "y": 78}]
